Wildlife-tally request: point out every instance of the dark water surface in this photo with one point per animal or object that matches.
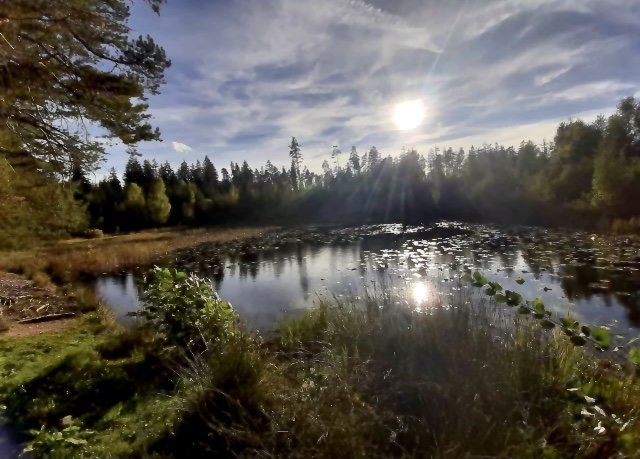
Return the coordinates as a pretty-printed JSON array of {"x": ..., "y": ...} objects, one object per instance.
[{"x": 596, "y": 277}]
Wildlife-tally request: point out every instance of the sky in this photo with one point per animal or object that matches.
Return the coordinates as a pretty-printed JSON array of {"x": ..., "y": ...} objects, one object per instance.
[{"x": 247, "y": 75}]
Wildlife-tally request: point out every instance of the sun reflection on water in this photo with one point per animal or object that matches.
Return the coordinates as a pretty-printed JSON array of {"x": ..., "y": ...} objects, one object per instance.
[{"x": 419, "y": 294}]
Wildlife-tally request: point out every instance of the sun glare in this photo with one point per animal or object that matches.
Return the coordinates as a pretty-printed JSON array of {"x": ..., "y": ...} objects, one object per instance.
[
  {"x": 419, "y": 293},
  {"x": 408, "y": 114}
]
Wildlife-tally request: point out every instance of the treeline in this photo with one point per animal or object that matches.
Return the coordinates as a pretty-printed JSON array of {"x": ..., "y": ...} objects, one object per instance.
[{"x": 589, "y": 174}]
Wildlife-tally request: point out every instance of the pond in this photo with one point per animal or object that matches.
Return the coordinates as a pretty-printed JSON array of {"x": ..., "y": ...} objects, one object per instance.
[{"x": 596, "y": 277}]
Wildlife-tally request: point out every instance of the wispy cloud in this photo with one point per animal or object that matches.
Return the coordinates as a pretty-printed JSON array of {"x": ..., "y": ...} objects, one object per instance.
[{"x": 249, "y": 75}]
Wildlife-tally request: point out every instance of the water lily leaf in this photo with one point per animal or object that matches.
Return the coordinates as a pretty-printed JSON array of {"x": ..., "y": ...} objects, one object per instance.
[
  {"x": 513, "y": 298},
  {"x": 578, "y": 340},
  {"x": 500, "y": 298},
  {"x": 479, "y": 280},
  {"x": 524, "y": 310},
  {"x": 634, "y": 355},
  {"x": 547, "y": 324},
  {"x": 601, "y": 336},
  {"x": 520, "y": 280},
  {"x": 569, "y": 323}
]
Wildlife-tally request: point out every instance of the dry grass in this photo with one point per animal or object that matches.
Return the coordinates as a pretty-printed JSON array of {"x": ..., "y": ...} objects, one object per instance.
[
  {"x": 69, "y": 260},
  {"x": 4, "y": 324}
]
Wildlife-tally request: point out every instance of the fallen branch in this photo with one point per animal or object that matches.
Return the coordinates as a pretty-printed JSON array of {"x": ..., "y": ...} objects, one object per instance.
[{"x": 47, "y": 318}]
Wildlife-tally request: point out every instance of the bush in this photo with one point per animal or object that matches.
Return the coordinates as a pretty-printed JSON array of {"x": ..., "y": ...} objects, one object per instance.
[{"x": 185, "y": 311}]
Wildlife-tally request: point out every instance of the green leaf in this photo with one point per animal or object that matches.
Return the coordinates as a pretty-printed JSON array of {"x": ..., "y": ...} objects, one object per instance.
[
  {"x": 520, "y": 280},
  {"x": 524, "y": 310},
  {"x": 76, "y": 441},
  {"x": 586, "y": 330},
  {"x": 500, "y": 298}
]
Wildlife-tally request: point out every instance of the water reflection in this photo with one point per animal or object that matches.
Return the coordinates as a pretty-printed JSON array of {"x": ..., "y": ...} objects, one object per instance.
[
  {"x": 419, "y": 294},
  {"x": 286, "y": 272}
]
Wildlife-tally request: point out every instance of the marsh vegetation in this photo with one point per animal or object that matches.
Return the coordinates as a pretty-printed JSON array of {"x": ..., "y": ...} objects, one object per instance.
[{"x": 368, "y": 377}]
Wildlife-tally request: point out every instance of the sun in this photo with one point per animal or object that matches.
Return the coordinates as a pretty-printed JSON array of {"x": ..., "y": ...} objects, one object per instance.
[{"x": 408, "y": 114}]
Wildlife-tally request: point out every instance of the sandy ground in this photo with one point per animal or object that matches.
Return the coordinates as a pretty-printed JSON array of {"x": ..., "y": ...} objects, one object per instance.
[{"x": 17, "y": 330}]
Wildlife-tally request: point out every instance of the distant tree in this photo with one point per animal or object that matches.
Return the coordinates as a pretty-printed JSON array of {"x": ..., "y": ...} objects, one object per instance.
[
  {"x": 158, "y": 206},
  {"x": 295, "y": 153},
  {"x": 149, "y": 173},
  {"x": 293, "y": 175},
  {"x": 133, "y": 207},
  {"x": 335, "y": 157},
  {"x": 187, "y": 192},
  {"x": 184, "y": 173},
  {"x": 210, "y": 176},
  {"x": 133, "y": 172},
  {"x": 354, "y": 160},
  {"x": 225, "y": 184},
  {"x": 373, "y": 157},
  {"x": 167, "y": 175}
]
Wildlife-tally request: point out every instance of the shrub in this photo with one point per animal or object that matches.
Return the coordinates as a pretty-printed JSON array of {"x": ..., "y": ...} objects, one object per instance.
[{"x": 185, "y": 311}]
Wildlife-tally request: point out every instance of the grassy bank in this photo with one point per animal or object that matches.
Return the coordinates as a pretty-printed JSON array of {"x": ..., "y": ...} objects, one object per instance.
[
  {"x": 47, "y": 273},
  {"x": 368, "y": 377},
  {"x": 68, "y": 260}
]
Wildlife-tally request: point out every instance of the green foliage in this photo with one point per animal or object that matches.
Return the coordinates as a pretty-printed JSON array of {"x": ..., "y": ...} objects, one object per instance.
[
  {"x": 185, "y": 310},
  {"x": 74, "y": 61},
  {"x": 158, "y": 205},
  {"x": 35, "y": 206},
  {"x": 58, "y": 442}
]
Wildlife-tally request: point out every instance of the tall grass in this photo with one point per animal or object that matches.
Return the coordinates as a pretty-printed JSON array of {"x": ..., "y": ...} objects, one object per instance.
[
  {"x": 461, "y": 376},
  {"x": 375, "y": 378}
]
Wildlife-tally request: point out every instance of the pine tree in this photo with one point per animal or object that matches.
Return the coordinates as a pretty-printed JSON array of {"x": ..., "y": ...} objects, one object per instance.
[
  {"x": 74, "y": 59},
  {"x": 133, "y": 172},
  {"x": 354, "y": 161},
  {"x": 210, "y": 176},
  {"x": 374, "y": 157},
  {"x": 296, "y": 159}
]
